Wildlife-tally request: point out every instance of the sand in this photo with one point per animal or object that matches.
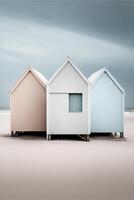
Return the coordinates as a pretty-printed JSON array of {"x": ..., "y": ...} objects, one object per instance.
[{"x": 32, "y": 168}]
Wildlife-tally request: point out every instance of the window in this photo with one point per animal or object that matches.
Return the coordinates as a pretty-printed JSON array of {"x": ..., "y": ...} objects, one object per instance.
[{"x": 75, "y": 102}]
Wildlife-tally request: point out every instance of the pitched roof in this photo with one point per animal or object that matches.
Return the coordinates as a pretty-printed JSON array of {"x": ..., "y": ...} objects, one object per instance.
[
  {"x": 68, "y": 60},
  {"x": 98, "y": 74},
  {"x": 40, "y": 76},
  {"x": 37, "y": 75}
]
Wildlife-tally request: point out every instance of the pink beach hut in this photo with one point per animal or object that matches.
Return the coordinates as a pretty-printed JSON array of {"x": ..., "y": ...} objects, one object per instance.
[{"x": 28, "y": 103}]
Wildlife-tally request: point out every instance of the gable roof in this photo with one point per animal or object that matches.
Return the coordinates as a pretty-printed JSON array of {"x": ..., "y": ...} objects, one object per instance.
[
  {"x": 68, "y": 60},
  {"x": 37, "y": 75},
  {"x": 98, "y": 74}
]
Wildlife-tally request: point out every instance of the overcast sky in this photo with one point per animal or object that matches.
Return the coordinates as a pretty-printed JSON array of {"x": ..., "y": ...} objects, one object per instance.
[{"x": 42, "y": 34}]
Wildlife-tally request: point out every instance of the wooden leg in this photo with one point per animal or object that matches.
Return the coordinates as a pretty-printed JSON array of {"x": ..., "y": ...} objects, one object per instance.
[
  {"x": 12, "y": 133},
  {"x": 121, "y": 135},
  {"x": 16, "y": 133},
  {"x": 49, "y": 137},
  {"x": 87, "y": 137}
]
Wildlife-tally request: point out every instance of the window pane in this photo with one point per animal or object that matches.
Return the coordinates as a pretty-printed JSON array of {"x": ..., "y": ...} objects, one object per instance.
[{"x": 75, "y": 102}]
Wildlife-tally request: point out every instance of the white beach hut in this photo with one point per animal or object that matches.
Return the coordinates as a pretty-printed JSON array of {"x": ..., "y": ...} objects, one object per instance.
[
  {"x": 28, "y": 103},
  {"x": 67, "y": 102},
  {"x": 107, "y": 103}
]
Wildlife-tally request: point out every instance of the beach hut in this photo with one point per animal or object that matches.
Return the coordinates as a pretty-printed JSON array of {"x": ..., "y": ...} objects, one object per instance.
[
  {"x": 107, "y": 103},
  {"x": 67, "y": 102},
  {"x": 28, "y": 103}
]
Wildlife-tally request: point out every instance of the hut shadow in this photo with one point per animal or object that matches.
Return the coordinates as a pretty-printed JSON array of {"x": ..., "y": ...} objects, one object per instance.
[
  {"x": 66, "y": 137},
  {"x": 26, "y": 136},
  {"x": 106, "y": 137},
  {"x": 41, "y": 136}
]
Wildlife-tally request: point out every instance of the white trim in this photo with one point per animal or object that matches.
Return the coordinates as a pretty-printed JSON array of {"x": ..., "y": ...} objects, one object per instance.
[
  {"x": 115, "y": 81},
  {"x": 123, "y": 112},
  {"x": 47, "y": 128},
  {"x": 61, "y": 68},
  {"x": 89, "y": 109},
  {"x": 37, "y": 75}
]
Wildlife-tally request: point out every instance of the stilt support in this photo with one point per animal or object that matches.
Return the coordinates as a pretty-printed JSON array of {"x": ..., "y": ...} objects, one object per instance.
[
  {"x": 84, "y": 137},
  {"x": 121, "y": 135},
  {"x": 16, "y": 133},
  {"x": 88, "y": 138},
  {"x": 12, "y": 133},
  {"x": 49, "y": 137}
]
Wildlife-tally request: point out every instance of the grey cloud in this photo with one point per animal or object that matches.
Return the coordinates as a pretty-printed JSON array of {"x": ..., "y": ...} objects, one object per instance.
[
  {"x": 42, "y": 34},
  {"x": 104, "y": 19}
]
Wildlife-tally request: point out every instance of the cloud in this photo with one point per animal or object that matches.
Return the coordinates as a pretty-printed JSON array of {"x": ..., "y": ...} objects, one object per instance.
[
  {"x": 46, "y": 39},
  {"x": 31, "y": 39},
  {"x": 111, "y": 20}
]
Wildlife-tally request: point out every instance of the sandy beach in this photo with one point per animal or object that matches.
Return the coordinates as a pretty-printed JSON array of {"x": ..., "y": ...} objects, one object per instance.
[{"x": 32, "y": 168}]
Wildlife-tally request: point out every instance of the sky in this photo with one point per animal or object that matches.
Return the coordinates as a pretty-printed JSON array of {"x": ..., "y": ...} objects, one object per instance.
[{"x": 42, "y": 34}]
